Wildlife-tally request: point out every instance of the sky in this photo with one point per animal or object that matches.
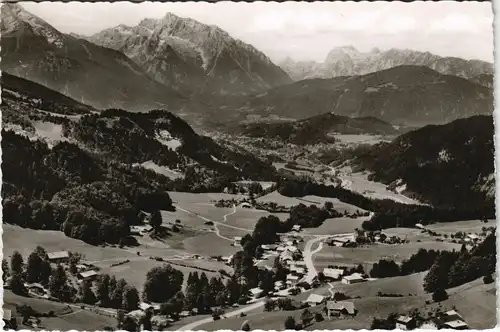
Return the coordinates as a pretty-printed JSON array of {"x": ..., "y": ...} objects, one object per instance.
[{"x": 305, "y": 31}]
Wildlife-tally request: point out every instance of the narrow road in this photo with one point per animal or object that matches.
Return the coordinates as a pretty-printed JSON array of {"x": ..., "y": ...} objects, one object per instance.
[
  {"x": 192, "y": 326},
  {"x": 308, "y": 253}
]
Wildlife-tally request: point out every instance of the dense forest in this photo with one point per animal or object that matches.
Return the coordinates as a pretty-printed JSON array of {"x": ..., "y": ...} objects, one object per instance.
[{"x": 426, "y": 162}]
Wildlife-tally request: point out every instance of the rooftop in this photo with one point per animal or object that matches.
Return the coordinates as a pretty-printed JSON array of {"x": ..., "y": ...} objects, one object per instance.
[
  {"x": 315, "y": 298},
  {"x": 341, "y": 305},
  {"x": 87, "y": 274},
  {"x": 404, "y": 319},
  {"x": 58, "y": 254}
]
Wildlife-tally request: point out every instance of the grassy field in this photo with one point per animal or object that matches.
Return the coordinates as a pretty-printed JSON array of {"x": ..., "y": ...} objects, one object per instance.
[
  {"x": 373, "y": 253},
  {"x": 308, "y": 200},
  {"x": 247, "y": 218},
  {"x": 336, "y": 226},
  {"x": 26, "y": 240},
  {"x": 468, "y": 226},
  {"x": 74, "y": 319},
  {"x": 135, "y": 271},
  {"x": 209, "y": 244}
]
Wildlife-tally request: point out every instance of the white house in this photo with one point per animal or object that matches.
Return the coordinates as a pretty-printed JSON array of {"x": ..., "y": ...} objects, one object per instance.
[
  {"x": 353, "y": 278},
  {"x": 315, "y": 299},
  {"x": 333, "y": 273},
  {"x": 420, "y": 226},
  {"x": 405, "y": 323},
  {"x": 237, "y": 241},
  {"x": 296, "y": 228}
]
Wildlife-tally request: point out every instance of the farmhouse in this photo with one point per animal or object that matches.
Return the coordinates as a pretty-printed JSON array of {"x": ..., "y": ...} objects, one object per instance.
[
  {"x": 299, "y": 271},
  {"x": 237, "y": 241},
  {"x": 58, "y": 256},
  {"x": 269, "y": 246},
  {"x": 353, "y": 278},
  {"x": 315, "y": 299},
  {"x": 405, "y": 323},
  {"x": 296, "y": 228},
  {"x": 246, "y": 205},
  {"x": 256, "y": 292},
  {"x": 335, "y": 308},
  {"x": 87, "y": 275},
  {"x": 333, "y": 273},
  {"x": 290, "y": 279},
  {"x": 137, "y": 315},
  {"x": 278, "y": 285},
  {"x": 36, "y": 289}
]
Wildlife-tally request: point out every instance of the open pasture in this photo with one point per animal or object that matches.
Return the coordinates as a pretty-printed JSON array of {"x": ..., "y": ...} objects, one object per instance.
[
  {"x": 467, "y": 226},
  {"x": 336, "y": 226},
  {"x": 308, "y": 200},
  {"x": 69, "y": 319},
  {"x": 26, "y": 240},
  {"x": 134, "y": 272},
  {"x": 247, "y": 218},
  {"x": 209, "y": 244},
  {"x": 331, "y": 255}
]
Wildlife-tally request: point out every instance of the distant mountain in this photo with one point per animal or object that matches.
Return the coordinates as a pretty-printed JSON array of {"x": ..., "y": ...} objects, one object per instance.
[
  {"x": 348, "y": 61},
  {"x": 188, "y": 55},
  {"x": 94, "y": 75},
  {"x": 317, "y": 129},
  {"x": 445, "y": 165},
  {"x": 407, "y": 95}
]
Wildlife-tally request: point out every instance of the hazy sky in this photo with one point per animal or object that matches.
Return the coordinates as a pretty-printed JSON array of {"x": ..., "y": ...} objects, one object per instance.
[{"x": 306, "y": 31}]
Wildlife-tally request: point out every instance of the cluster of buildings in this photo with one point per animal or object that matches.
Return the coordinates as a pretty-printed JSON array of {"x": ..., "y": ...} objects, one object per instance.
[
  {"x": 448, "y": 320},
  {"x": 339, "y": 274}
]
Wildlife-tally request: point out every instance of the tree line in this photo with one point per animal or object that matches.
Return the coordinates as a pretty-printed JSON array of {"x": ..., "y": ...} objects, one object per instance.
[{"x": 387, "y": 213}]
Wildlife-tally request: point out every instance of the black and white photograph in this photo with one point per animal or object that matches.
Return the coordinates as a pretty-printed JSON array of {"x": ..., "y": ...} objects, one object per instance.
[{"x": 195, "y": 166}]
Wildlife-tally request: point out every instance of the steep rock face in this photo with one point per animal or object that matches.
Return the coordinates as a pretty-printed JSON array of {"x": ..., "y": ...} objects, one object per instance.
[
  {"x": 34, "y": 50},
  {"x": 189, "y": 55},
  {"x": 446, "y": 165},
  {"x": 348, "y": 61},
  {"x": 407, "y": 95}
]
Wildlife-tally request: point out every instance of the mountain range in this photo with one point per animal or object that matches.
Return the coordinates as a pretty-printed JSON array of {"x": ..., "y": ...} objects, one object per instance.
[
  {"x": 406, "y": 95},
  {"x": 33, "y": 49},
  {"x": 348, "y": 61},
  {"x": 193, "y": 57}
]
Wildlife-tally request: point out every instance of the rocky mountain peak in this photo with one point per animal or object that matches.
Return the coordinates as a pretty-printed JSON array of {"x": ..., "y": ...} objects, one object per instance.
[{"x": 15, "y": 19}]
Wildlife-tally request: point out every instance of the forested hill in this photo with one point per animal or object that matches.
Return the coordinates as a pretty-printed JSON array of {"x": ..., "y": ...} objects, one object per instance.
[
  {"x": 90, "y": 174},
  {"x": 317, "y": 129},
  {"x": 445, "y": 165}
]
